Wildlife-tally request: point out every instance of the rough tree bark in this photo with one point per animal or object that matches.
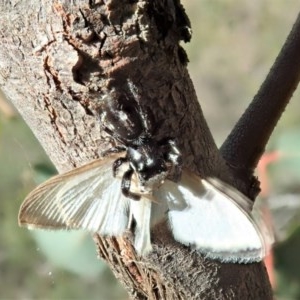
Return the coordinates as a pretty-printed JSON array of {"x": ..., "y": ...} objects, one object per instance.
[{"x": 57, "y": 60}]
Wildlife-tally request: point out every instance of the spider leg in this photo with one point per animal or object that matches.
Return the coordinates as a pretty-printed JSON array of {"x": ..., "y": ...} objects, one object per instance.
[
  {"x": 125, "y": 185},
  {"x": 116, "y": 149},
  {"x": 118, "y": 163},
  {"x": 108, "y": 131}
]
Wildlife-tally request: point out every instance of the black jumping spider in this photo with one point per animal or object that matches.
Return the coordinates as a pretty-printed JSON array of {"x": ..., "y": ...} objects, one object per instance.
[{"x": 152, "y": 161}]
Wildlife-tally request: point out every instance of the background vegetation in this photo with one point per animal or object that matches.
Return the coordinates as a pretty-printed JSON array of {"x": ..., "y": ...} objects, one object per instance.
[{"x": 234, "y": 44}]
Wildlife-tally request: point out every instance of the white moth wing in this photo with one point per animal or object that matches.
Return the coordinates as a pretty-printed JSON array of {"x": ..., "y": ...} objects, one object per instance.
[
  {"x": 254, "y": 213},
  {"x": 219, "y": 226},
  {"x": 141, "y": 212},
  {"x": 88, "y": 197}
]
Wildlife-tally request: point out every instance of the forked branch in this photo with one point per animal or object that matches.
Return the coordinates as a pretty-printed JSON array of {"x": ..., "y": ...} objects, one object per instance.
[{"x": 77, "y": 54}]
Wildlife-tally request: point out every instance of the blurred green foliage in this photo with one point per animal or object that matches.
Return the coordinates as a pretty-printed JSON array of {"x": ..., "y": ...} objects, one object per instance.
[
  {"x": 287, "y": 266},
  {"x": 234, "y": 44},
  {"x": 287, "y": 169}
]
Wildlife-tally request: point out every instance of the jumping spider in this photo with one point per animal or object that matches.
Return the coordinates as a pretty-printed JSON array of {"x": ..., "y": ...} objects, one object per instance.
[{"x": 152, "y": 161}]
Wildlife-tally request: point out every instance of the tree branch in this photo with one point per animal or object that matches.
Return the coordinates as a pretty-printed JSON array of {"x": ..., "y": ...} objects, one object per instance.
[
  {"x": 247, "y": 141},
  {"x": 56, "y": 63}
]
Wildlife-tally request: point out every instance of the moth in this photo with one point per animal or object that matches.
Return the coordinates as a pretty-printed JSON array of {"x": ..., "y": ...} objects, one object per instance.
[
  {"x": 206, "y": 215},
  {"x": 141, "y": 182}
]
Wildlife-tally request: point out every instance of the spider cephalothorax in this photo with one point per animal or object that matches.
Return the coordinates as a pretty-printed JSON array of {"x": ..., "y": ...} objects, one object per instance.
[{"x": 149, "y": 160}]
